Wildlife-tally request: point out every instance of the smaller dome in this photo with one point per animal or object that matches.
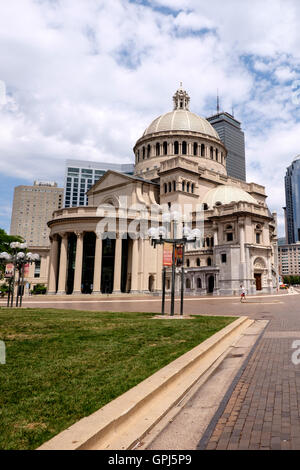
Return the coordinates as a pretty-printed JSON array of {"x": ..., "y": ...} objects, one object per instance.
[
  {"x": 296, "y": 158},
  {"x": 224, "y": 194}
]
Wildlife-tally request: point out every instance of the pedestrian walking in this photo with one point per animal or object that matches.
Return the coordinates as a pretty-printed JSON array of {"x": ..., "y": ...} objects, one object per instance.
[{"x": 243, "y": 293}]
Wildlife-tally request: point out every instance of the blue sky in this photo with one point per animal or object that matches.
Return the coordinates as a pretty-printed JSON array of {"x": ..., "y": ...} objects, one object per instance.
[{"x": 84, "y": 79}]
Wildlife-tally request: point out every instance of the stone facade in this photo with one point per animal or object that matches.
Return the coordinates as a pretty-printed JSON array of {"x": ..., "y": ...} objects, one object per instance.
[{"x": 180, "y": 162}]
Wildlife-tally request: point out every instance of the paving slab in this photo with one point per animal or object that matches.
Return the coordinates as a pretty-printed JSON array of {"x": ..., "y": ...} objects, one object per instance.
[{"x": 184, "y": 425}]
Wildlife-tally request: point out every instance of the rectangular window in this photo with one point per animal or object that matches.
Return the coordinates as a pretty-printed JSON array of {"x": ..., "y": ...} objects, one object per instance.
[
  {"x": 229, "y": 237},
  {"x": 224, "y": 258},
  {"x": 258, "y": 238},
  {"x": 37, "y": 269}
]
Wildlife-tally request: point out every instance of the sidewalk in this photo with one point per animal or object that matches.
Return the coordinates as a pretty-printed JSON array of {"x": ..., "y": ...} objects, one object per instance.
[{"x": 263, "y": 411}]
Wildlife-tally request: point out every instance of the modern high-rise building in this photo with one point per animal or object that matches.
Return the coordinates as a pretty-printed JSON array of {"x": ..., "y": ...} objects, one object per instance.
[
  {"x": 232, "y": 136},
  {"x": 292, "y": 195},
  {"x": 289, "y": 259},
  {"x": 33, "y": 207},
  {"x": 80, "y": 176}
]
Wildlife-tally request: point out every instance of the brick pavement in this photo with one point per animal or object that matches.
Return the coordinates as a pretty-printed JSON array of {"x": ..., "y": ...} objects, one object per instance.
[{"x": 263, "y": 410}]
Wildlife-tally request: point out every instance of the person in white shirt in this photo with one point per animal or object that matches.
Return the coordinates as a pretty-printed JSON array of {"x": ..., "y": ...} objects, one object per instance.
[{"x": 243, "y": 293}]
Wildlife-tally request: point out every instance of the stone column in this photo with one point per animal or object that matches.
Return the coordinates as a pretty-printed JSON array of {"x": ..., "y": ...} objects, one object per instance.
[
  {"x": 53, "y": 266},
  {"x": 62, "y": 275},
  {"x": 78, "y": 264},
  {"x": 242, "y": 240},
  {"x": 97, "y": 266},
  {"x": 158, "y": 252},
  {"x": 135, "y": 266},
  {"x": 215, "y": 229},
  {"x": 145, "y": 262},
  {"x": 118, "y": 265}
]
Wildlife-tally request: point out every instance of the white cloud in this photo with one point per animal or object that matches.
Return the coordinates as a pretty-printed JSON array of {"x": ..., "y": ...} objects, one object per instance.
[{"x": 86, "y": 78}]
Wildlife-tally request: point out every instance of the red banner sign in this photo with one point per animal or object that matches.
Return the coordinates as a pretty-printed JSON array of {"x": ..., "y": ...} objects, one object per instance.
[
  {"x": 26, "y": 270},
  {"x": 168, "y": 254},
  {"x": 179, "y": 255},
  {"x": 9, "y": 271}
]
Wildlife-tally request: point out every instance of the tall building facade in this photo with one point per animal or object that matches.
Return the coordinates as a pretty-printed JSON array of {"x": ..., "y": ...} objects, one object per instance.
[
  {"x": 232, "y": 136},
  {"x": 292, "y": 195},
  {"x": 80, "y": 176},
  {"x": 33, "y": 207},
  {"x": 289, "y": 259}
]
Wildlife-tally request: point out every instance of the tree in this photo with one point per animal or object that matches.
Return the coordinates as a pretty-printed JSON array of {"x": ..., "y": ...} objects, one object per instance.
[{"x": 5, "y": 241}]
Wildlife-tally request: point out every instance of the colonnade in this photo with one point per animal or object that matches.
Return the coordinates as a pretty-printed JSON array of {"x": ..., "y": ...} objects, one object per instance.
[{"x": 60, "y": 264}]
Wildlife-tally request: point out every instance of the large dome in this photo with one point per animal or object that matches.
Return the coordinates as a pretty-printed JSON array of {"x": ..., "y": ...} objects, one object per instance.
[
  {"x": 225, "y": 195},
  {"x": 181, "y": 120}
]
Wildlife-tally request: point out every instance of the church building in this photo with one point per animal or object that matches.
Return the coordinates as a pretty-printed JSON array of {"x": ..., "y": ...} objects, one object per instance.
[{"x": 180, "y": 162}]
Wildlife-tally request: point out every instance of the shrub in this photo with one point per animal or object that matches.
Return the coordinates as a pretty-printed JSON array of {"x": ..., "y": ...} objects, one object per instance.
[
  {"x": 39, "y": 289},
  {"x": 3, "y": 290}
]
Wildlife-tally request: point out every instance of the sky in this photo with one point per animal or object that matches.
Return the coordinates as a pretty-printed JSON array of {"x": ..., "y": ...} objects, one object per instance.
[{"x": 82, "y": 79}]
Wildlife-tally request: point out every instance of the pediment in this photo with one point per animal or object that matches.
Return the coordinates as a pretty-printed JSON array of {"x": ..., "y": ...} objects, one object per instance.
[{"x": 109, "y": 180}]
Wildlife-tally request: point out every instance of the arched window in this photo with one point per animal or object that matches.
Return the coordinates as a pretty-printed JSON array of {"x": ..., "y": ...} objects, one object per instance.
[
  {"x": 148, "y": 151},
  {"x": 199, "y": 283},
  {"x": 207, "y": 242},
  {"x": 188, "y": 187},
  {"x": 188, "y": 263},
  {"x": 165, "y": 148},
  {"x": 157, "y": 149},
  {"x": 211, "y": 153},
  {"x": 217, "y": 155},
  {"x": 202, "y": 150},
  {"x": 198, "y": 262},
  {"x": 228, "y": 227},
  {"x": 176, "y": 148},
  {"x": 195, "y": 149},
  {"x": 138, "y": 155},
  {"x": 208, "y": 261},
  {"x": 184, "y": 148},
  {"x": 174, "y": 185},
  {"x": 170, "y": 187},
  {"x": 166, "y": 187},
  {"x": 212, "y": 241},
  {"x": 144, "y": 150},
  {"x": 193, "y": 188},
  {"x": 205, "y": 207},
  {"x": 183, "y": 185},
  {"x": 188, "y": 284}
]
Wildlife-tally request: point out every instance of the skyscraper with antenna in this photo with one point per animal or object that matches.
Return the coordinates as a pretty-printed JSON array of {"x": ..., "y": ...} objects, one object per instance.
[{"x": 231, "y": 134}]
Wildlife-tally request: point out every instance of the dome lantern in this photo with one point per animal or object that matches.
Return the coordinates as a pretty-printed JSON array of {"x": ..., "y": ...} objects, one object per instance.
[{"x": 181, "y": 99}]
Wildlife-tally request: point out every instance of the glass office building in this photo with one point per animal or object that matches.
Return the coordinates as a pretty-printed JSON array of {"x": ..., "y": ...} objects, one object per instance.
[
  {"x": 232, "y": 136},
  {"x": 292, "y": 195},
  {"x": 80, "y": 176}
]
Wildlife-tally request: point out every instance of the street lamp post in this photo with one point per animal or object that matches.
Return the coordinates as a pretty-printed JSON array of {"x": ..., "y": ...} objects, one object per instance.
[
  {"x": 18, "y": 257},
  {"x": 159, "y": 236}
]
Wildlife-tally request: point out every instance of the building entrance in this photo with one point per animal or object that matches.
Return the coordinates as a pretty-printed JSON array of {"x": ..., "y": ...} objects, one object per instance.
[
  {"x": 108, "y": 266},
  {"x": 211, "y": 284},
  {"x": 258, "y": 281}
]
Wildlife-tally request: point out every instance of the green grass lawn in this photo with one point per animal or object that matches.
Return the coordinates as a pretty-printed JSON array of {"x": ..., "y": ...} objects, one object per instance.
[{"x": 63, "y": 365}]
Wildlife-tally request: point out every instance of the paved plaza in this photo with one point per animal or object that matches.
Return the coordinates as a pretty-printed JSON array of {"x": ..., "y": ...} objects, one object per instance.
[{"x": 261, "y": 408}]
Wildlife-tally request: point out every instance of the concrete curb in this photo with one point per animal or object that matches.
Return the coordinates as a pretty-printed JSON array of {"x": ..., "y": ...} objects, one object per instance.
[{"x": 123, "y": 422}]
